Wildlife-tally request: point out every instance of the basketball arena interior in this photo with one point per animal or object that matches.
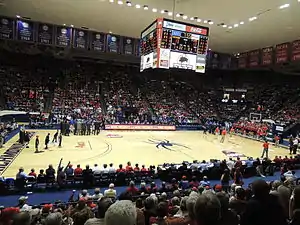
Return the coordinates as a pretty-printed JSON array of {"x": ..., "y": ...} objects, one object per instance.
[{"x": 149, "y": 112}]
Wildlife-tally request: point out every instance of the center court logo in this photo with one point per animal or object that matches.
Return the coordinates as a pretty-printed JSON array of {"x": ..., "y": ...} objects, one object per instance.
[
  {"x": 165, "y": 144},
  {"x": 229, "y": 153}
]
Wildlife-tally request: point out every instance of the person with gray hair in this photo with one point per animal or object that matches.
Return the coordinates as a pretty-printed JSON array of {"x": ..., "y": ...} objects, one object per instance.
[
  {"x": 190, "y": 204},
  {"x": 121, "y": 212},
  {"x": 207, "y": 209},
  {"x": 54, "y": 219},
  {"x": 183, "y": 208}
]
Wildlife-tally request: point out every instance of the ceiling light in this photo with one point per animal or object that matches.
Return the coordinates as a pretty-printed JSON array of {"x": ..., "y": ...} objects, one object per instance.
[
  {"x": 242, "y": 22},
  {"x": 178, "y": 15},
  {"x": 230, "y": 27},
  {"x": 238, "y": 54},
  {"x": 284, "y": 6},
  {"x": 72, "y": 25},
  {"x": 211, "y": 22},
  {"x": 236, "y": 25},
  {"x": 252, "y": 18},
  {"x": 170, "y": 13},
  {"x": 224, "y": 25},
  {"x": 154, "y": 10},
  {"x": 128, "y": 3},
  {"x": 137, "y": 6},
  {"x": 110, "y": 32},
  {"x": 111, "y": 1},
  {"x": 18, "y": 16},
  {"x": 198, "y": 20},
  {"x": 184, "y": 17},
  {"x": 192, "y": 18},
  {"x": 120, "y": 2},
  {"x": 162, "y": 11},
  {"x": 64, "y": 24},
  {"x": 205, "y": 21},
  {"x": 146, "y": 7}
]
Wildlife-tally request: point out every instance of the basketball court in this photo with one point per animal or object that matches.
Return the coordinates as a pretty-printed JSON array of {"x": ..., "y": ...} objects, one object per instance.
[{"x": 143, "y": 147}]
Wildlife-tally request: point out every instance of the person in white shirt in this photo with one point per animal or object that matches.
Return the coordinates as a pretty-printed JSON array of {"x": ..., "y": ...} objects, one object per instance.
[
  {"x": 110, "y": 192},
  {"x": 21, "y": 174},
  {"x": 96, "y": 170},
  {"x": 111, "y": 168},
  {"x": 230, "y": 164},
  {"x": 97, "y": 194},
  {"x": 105, "y": 170},
  {"x": 290, "y": 174}
]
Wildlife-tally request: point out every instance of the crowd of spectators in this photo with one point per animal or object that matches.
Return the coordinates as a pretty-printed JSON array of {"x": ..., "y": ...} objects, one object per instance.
[{"x": 180, "y": 202}]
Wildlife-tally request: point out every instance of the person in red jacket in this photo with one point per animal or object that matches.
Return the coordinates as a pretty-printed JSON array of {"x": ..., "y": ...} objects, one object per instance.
[
  {"x": 136, "y": 168},
  {"x": 129, "y": 167},
  {"x": 132, "y": 189},
  {"x": 121, "y": 169},
  {"x": 144, "y": 169},
  {"x": 78, "y": 170}
]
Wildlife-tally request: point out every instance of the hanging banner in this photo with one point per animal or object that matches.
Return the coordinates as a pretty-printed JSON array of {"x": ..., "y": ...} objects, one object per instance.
[
  {"x": 282, "y": 53},
  {"x": 113, "y": 43},
  {"x": 97, "y": 41},
  {"x": 128, "y": 46},
  {"x": 296, "y": 50},
  {"x": 80, "y": 39},
  {"x": 24, "y": 30},
  {"x": 45, "y": 33},
  {"x": 254, "y": 58},
  {"x": 267, "y": 56},
  {"x": 63, "y": 36},
  {"x": 6, "y": 28}
]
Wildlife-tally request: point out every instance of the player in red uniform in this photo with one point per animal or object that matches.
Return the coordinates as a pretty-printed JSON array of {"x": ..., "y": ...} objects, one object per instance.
[{"x": 223, "y": 135}]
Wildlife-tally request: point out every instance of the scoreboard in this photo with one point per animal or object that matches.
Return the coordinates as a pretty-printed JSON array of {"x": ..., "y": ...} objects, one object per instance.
[{"x": 172, "y": 44}]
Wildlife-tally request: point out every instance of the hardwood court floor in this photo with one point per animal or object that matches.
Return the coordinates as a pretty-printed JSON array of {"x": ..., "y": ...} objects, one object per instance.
[{"x": 143, "y": 147}]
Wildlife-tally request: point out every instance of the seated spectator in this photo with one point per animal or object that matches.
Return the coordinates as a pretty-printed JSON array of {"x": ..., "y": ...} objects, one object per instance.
[
  {"x": 263, "y": 208},
  {"x": 194, "y": 182},
  {"x": 97, "y": 194},
  {"x": 23, "y": 204},
  {"x": 103, "y": 206},
  {"x": 50, "y": 172},
  {"x": 121, "y": 169},
  {"x": 182, "y": 212},
  {"x": 228, "y": 217},
  {"x": 175, "y": 206},
  {"x": 96, "y": 170},
  {"x": 70, "y": 170},
  {"x": 184, "y": 183},
  {"x": 111, "y": 168},
  {"x": 129, "y": 167},
  {"x": 121, "y": 212},
  {"x": 204, "y": 182},
  {"x": 54, "y": 218},
  {"x": 110, "y": 192},
  {"x": 78, "y": 170},
  {"x": 208, "y": 209},
  {"x": 21, "y": 174},
  {"x": 290, "y": 175},
  {"x": 136, "y": 168},
  {"x": 81, "y": 213},
  {"x": 105, "y": 170},
  {"x": 32, "y": 173},
  {"x": 84, "y": 194},
  {"x": 132, "y": 189}
]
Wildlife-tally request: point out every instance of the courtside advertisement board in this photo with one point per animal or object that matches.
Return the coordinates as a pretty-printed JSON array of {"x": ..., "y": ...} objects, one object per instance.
[{"x": 139, "y": 127}]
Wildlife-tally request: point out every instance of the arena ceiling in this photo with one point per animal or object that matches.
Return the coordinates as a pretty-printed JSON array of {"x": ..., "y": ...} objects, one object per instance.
[{"x": 236, "y": 26}]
